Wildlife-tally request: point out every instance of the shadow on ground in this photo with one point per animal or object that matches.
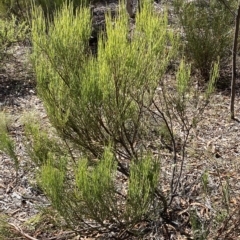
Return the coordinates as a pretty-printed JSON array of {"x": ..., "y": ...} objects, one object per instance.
[{"x": 12, "y": 89}]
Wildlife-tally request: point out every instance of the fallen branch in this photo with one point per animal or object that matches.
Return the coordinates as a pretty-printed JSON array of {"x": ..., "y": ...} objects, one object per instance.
[{"x": 17, "y": 228}]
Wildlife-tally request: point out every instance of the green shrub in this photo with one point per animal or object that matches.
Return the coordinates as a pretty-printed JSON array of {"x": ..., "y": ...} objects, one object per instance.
[
  {"x": 10, "y": 33},
  {"x": 50, "y": 6},
  {"x": 106, "y": 108},
  {"x": 7, "y": 144},
  {"x": 40, "y": 145},
  {"x": 77, "y": 88},
  {"x": 14, "y": 7},
  {"x": 21, "y": 8},
  {"x": 207, "y": 32}
]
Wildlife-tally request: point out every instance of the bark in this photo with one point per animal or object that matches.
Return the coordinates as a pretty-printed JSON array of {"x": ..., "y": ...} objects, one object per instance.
[{"x": 234, "y": 54}]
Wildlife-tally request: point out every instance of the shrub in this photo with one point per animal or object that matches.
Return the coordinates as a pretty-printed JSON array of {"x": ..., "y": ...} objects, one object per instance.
[
  {"x": 124, "y": 76},
  {"x": 49, "y": 6},
  {"x": 207, "y": 27},
  {"x": 21, "y": 8},
  {"x": 108, "y": 109},
  {"x": 18, "y": 8},
  {"x": 6, "y": 143},
  {"x": 11, "y": 32}
]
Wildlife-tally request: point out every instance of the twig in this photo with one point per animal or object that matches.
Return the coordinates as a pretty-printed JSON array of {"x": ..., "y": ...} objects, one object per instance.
[
  {"x": 69, "y": 150},
  {"x": 17, "y": 228},
  {"x": 234, "y": 55},
  {"x": 65, "y": 235},
  {"x": 228, "y": 8}
]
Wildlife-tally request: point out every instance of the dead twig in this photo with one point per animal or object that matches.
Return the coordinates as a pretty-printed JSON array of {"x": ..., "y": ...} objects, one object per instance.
[
  {"x": 18, "y": 229},
  {"x": 65, "y": 235}
]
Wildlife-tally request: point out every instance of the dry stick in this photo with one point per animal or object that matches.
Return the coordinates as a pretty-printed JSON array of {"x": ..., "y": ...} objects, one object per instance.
[
  {"x": 227, "y": 6},
  {"x": 70, "y": 151},
  {"x": 169, "y": 127},
  {"x": 234, "y": 53},
  {"x": 17, "y": 228},
  {"x": 65, "y": 235},
  {"x": 161, "y": 114}
]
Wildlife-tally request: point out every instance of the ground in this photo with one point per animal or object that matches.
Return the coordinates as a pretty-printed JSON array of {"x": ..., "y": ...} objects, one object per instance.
[{"x": 214, "y": 151}]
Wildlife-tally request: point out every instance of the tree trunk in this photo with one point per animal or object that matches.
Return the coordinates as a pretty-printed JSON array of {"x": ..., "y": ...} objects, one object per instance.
[{"x": 234, "y": 53}]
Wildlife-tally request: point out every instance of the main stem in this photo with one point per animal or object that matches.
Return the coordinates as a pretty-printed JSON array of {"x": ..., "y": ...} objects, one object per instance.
[{"x": 234, "y": 54}]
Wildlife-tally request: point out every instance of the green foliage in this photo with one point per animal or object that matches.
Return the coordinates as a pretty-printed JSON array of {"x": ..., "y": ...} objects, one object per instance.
[
  {"x": 199, "y": 228},
  {"x": 5, "y": 230},
  {"x": 77, "y": 87},
  {"x": 183, "y": 78},
  {"x": 183, "y": 85},
  {"x": 52, "y": 180},
  {"x": 116, "y": 98},
  {"x": 97, "y": 101},
  {"x": 221, "y": 216},
  {"x": 18, "y": 8},
  {"x": 21, "y": 9},
  {"x": 50, "y": 6},
  {"x": 6, "y": 143},
  {"x": 214, "y": 75},
  {"x": 10, "y": 33},
  {"x": 143, "y": 182},
  {"x": 205, "y": 182},
  {"x": 207, "y": 32},
  {"x": 45, "y": 215},
  {"x": 96, "y": 187},
  {"x": 226, "y": 194},
  {"x": 96, "y": 196},
  {"x": 39, "y": 144}
]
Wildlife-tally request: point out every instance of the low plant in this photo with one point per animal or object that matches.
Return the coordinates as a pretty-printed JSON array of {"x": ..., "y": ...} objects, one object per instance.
[
  {"x": 39, "y": 144},
  {"x": 49, "y": 7},
  {"x": 11, "y": 33},
  {"x": 5, "y": 230},
  {"x": 205, "y": 182},
  {"x": 17, "y": 8},
  {"x": 200, "y": 228},
  {"x": 207, "y": 32},
  {"x": 21, "y": 9},
  {"x": 7, "y": 145}
]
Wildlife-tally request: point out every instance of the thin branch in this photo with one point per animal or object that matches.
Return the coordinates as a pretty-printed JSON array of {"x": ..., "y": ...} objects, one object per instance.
[
  {"x": 69, "y": 150},
  {"x": 228, "y": 8},
  {"x": 183, "y": 158},
  {"x": 173, "y": 144},
  {"x": 234, "y": 53},
  {"x": 18, "y": 229}
]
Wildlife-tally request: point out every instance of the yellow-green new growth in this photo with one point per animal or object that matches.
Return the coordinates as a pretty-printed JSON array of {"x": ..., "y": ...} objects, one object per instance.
[{"x": 183, "y": 78}]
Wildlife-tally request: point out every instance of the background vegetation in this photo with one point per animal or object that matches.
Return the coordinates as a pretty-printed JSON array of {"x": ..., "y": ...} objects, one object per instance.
[{"x": 206, "y": 24}]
